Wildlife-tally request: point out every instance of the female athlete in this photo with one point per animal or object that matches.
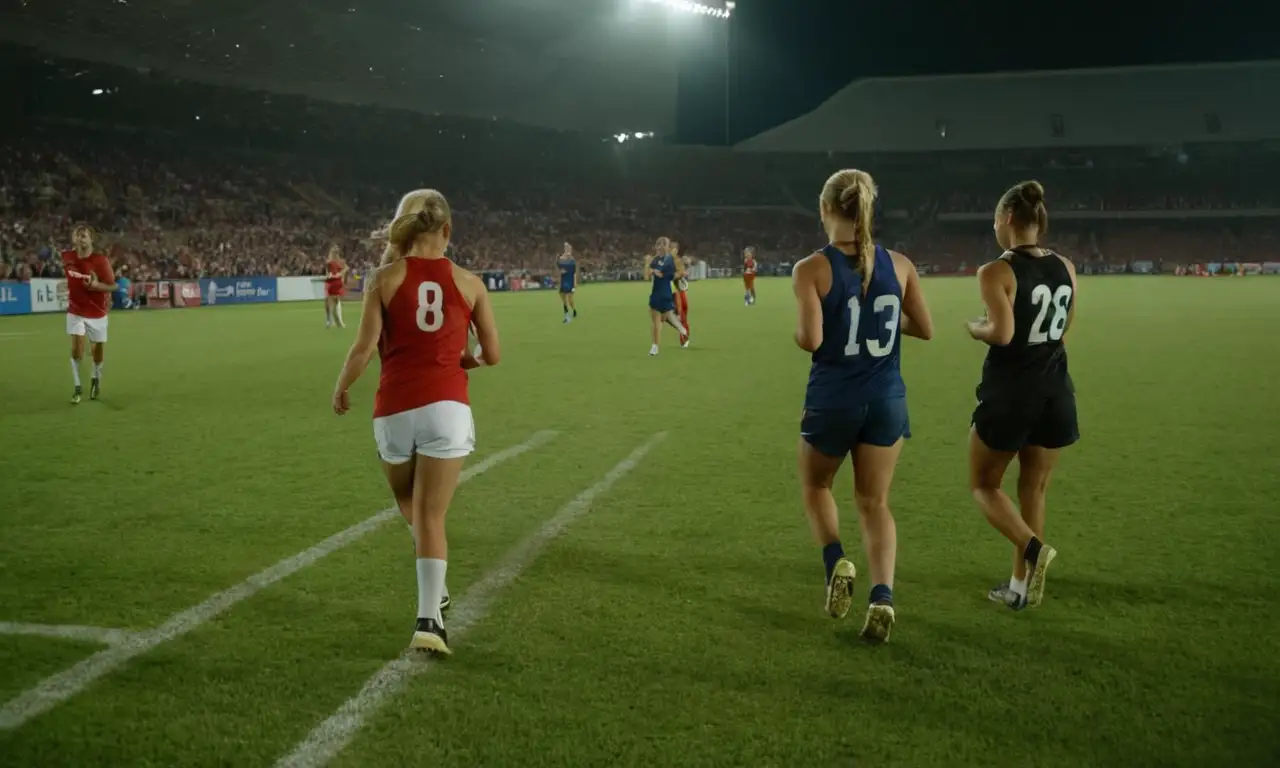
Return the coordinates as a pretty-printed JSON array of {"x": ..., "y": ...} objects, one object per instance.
[
  {"x": 1026, "y": 401},
  {"x": 417, "y": 310},
  {"x": 661, "y": 270},
  {"x": 855, "y": 299},
  {"x": 681, "y": 286},
  {"x": 335, "y": 280},
  {"x": 568, "y": 267}
]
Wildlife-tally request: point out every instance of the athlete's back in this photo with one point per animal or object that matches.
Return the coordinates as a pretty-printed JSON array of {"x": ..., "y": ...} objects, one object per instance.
[
  {"x": 860, "y": 356},
  {"x": 424, "y": 335},
  {"x": 1034, "y": 362}
]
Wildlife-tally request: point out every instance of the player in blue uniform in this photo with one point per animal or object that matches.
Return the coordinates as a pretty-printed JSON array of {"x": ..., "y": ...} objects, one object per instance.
[
  {"x": 855, "y": 300},
  {"x": 568, "y": 282},
  {"x": 1026, "y": 401},
  {"x": 661, "y": 270}
]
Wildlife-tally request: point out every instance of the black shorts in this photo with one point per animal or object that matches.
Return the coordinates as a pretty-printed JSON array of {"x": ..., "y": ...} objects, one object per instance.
[
  {"x": 1009, "y": 423},
  {"x": 835, "y": 433}
]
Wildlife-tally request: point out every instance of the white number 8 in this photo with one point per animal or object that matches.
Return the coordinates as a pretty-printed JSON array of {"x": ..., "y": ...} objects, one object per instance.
[
  {"x": 430, "y": 307},
  {"x": 1060, "y": 300}
]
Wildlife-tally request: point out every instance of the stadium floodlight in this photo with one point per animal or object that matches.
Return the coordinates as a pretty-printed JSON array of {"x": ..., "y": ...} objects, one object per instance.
[{"x": 688, "y": 6}]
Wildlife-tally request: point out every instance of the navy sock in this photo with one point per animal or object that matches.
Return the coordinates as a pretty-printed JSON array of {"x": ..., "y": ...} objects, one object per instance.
[
  {"x": 830, "y": 554},
  {"x": 1032, "y": 553},
  {"x": 882, "y": 593}
]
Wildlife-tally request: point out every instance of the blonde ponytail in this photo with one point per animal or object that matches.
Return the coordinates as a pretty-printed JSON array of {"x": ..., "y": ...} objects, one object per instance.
[
  {"x": 421, "y": 212},
  {"x": 851, "y": 194}
]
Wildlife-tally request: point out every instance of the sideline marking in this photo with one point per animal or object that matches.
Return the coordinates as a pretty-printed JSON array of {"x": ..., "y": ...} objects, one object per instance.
[
  {"x": 331, "y": 736},
  {"x": 101, "y": 635},
  {"x": 55, "y": 689}
]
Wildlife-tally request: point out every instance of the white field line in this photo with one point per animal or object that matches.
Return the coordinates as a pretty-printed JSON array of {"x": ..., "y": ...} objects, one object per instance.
[
  {"x": 13, "y": 335},
  {"x": 329, "y": 738},
  {"x": 99, "y": 635},
  {"x": 57, "y": 688}
]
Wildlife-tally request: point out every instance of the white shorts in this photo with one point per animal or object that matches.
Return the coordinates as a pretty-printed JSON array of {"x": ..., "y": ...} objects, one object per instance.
[
  {"x": 93, "y": 327},
  {"x": 443, "y": 430}
]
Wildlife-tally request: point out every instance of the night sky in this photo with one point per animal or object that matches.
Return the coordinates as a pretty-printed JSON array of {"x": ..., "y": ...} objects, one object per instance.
[{"x": 791, "y": 55}]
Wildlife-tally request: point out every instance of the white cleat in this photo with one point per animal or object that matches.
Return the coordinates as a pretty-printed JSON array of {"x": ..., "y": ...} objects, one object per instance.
[{"x": 653, "y": 351}]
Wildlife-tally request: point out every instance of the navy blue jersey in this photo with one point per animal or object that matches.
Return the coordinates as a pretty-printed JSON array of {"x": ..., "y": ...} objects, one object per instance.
[
  {"x": 664, "y": 271},
  {"x": 568, "y": 271},
  {"x": 860, "y": 358}
]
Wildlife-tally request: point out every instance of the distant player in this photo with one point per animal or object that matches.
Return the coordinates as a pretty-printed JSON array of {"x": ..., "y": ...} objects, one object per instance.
[
  {"x": 90, "y": 283},
  {"x": 681, "y": 286},
  {"x": 335, "y": 287},
  {"x": 417, "y": 311},
  {"x": 855, "y": 301},
  {"x": 568, "y": 282},
  {"x": 1026, "y": 401},
  {"x": 662, "y": 270},
  {"x": 749, "y": 276}
]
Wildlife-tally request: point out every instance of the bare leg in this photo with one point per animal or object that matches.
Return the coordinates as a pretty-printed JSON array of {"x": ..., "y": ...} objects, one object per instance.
[
  {"x": 986, "y": 474},
  {"x": 1035, "y": 469},
  {"x": 873, "y": 468},
  {"x": 817, "y": 473}
]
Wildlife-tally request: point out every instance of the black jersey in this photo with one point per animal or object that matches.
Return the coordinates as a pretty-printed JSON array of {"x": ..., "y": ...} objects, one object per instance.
[{"x": 1034, "y": 362}]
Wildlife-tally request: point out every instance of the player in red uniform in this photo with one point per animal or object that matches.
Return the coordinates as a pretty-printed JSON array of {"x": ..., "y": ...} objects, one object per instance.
[
  {"x": 335, "y": 279},
  {"x": 681, "y": 286},
  {"x": 90, "y": 282},
  {"x": 749, "y": 275},
  {"x": 417, "y": 310}
]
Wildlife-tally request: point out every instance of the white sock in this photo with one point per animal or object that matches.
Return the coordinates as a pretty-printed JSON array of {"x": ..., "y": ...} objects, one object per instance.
[
  {"x": 75, "y": 370},
  {"x": 328, "y": 315},
  {"x": 674, "y": 322},
  {"x": 430, "y": 587},
  {"x": 97, "y": 371},
  {"x": 1019, "y": 586},
  {"x": 337, "y": 309}
]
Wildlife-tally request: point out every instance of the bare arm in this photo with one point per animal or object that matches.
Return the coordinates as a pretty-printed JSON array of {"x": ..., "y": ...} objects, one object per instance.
[
  {"x": 486, "y": 328},
  {"x": 680, "y": 270},
  {"x": 997, "y": 327},
  {"x": 916, "y": 320},
  {"x": 362, "y": 349},
  {"x": 808, "y": 306},
  {"x": 648, "y": 268}
]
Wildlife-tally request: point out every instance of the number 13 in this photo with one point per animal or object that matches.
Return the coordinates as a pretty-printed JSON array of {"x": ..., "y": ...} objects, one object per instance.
[{"x": 874, "y": 347}]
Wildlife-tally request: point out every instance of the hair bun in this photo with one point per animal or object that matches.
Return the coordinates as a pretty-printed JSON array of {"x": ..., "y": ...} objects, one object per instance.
[{"x": 1032, "y": 193}]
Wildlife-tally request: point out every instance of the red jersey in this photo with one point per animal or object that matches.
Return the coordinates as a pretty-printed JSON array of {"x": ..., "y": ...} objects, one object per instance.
[
  {"x": 749, "y": 267},
  {"x": 333, "y": 286},
  {"x": 80, "y": 300},
  {"x": 424, "y": 332}
]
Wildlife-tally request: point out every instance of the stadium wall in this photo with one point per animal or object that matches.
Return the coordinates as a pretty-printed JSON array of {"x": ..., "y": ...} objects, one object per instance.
[
  {"x": 44, "y": 295},
  {"x": 1136, "y": 106}
]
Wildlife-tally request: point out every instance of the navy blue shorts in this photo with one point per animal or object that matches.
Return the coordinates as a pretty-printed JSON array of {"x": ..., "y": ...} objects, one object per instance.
[
  {"x": 662, "y": 303},
  {"x": 837, "y": 432},
  {"x": 566, "y": 287}
]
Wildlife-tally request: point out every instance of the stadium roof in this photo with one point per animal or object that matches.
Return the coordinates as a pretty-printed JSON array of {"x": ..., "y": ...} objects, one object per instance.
[
  {"x": 590, "y": 65},
  {"x": 1128, "y": 106}
]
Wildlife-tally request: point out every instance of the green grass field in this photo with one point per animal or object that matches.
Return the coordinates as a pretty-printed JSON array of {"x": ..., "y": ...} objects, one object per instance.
[{"x": 678, "y": 621}]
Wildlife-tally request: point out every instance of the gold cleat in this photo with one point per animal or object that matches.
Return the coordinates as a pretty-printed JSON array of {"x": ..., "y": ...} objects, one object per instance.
[
  {"x": 840, "y": 589},
  {"x": 431, "y": 638},
  {"x": 879, "y": 623},
  {"x": 1035, "y": 585}
]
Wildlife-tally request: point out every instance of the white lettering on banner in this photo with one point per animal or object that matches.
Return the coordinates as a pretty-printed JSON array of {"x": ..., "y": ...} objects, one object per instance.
[
  {"x": 48, "y": 295},
  {"x": 299, "y": 289}
]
